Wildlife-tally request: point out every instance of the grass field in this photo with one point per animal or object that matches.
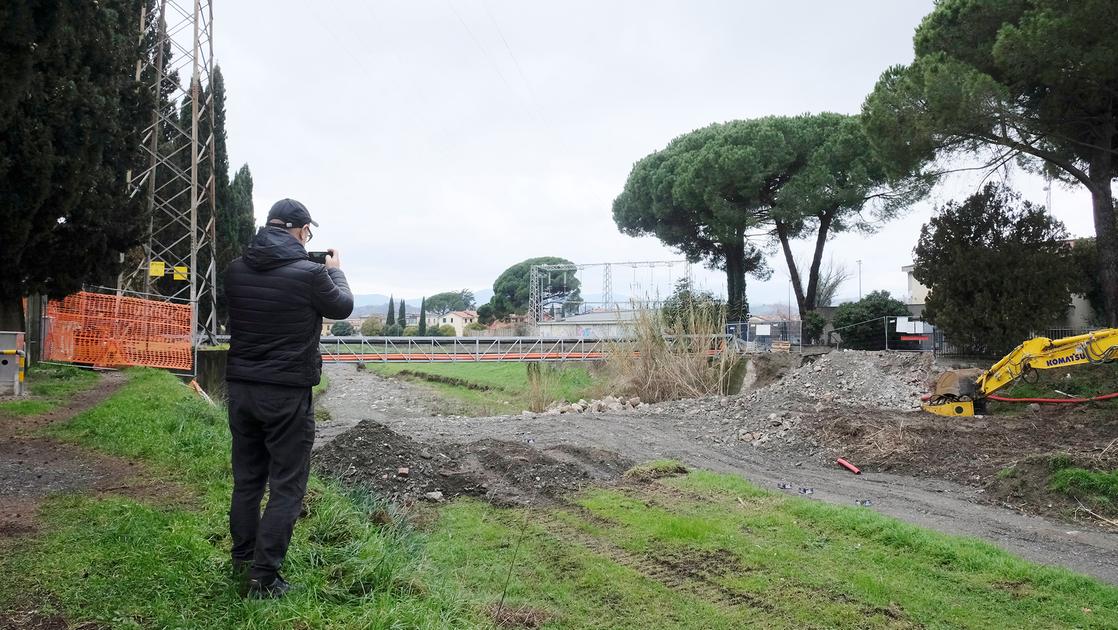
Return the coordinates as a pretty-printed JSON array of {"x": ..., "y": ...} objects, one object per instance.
[
  {"x": 699, "y": 550},
  {"x": 711, "y": 551},
  {"x": 498, "y": 388},
  {"x": 49, "y": 386},
  {"x": 126, "y": 563}
]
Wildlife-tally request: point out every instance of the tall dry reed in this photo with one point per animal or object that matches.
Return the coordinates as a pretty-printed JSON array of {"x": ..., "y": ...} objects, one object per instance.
[{"x": 676, "y": 354}]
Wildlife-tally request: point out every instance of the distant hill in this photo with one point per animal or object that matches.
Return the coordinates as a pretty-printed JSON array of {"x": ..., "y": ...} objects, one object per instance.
[
  {"x": 365, "y": 304},
  {"x": 366, "y": 299}
]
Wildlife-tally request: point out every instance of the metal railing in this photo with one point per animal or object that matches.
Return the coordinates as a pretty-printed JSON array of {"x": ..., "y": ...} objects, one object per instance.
[
  {"x": 768, "y": 336},
  {"x": 460, "y": 349}
]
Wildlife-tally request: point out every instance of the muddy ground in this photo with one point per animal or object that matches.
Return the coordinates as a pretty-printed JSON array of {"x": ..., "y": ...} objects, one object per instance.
[
  {"x": 356, "y": 395},
  {"x": 924, "y": 470},
  {"x": 502, "y": 472},
  {"x": 965, "y": 450},
  {"x": 32, "y": 467}
]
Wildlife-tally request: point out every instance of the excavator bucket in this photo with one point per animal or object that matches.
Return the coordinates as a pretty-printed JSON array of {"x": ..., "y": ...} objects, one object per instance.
[
  {"x": 957, "y": 408},
  {"x": 954, "y": 393},
  {"x": 957, "y": 383}
]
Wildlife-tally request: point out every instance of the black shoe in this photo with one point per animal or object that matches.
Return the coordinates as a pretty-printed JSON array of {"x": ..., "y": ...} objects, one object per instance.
[{"x": 263, "y": 589}]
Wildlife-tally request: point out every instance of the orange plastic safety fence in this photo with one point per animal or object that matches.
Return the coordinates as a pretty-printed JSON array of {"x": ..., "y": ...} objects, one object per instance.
[{"x": 112, "y": 331}]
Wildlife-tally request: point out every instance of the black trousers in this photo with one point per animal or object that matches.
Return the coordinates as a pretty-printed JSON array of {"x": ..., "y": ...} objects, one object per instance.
[{"x": 273, "y": 430}]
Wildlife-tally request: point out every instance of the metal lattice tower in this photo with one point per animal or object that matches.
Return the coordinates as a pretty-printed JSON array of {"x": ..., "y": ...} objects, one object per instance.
[
  {"x": 539, "y": 275},
  {"x": 178, "y": 261}
]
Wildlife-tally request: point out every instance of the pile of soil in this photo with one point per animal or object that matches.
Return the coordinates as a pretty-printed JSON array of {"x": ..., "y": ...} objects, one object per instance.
[
  {"x": 504, "y": 473},
  {"x": 879, "y": 380},
  {"x": 969, "y": 450}
]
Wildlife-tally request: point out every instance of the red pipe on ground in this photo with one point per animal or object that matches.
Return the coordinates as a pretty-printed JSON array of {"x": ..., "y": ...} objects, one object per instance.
[
  {"x": 847, "y": 465},
  {"x": 1054, "y": 400}
]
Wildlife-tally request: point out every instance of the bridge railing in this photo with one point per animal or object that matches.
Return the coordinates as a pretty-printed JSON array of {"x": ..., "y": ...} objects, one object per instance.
[
  {"x": 359, "y": 349},
  {"x": 460, "y": 349}
]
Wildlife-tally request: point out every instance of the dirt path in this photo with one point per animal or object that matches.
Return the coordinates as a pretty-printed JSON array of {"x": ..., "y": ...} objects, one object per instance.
[
  {"x": 937, "y": 504},
  {"x": 33, "y": 467},
  {"x": 355, "y": 395}
]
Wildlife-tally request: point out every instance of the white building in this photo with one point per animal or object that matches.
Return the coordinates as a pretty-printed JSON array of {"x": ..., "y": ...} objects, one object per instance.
[{"x": 458, "y": 319}]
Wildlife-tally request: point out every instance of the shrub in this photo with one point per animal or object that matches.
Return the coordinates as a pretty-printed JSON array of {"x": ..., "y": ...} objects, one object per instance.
[
  {"x": 656, "y": 366},
  {"x": 372, "y": 326},
  {"x": 860, "y": 324},
  {"x": 446, "y": 330},
  {"x": 813, "y": 326},
  {"x": 341, "y": 328}
]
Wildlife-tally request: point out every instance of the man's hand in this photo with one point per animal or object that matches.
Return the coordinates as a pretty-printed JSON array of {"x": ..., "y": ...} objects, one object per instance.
[{"x": 333, "y": 259}]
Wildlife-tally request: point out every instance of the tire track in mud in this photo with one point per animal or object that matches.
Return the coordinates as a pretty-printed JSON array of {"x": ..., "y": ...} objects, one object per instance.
[
  {"x": 696, "y": 573},
  {"x": 696, "y": 576}
]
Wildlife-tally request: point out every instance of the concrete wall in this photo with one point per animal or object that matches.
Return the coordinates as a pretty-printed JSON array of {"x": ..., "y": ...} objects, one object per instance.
[
  {"x": 210, "y": 371},
  {"x": 602, "y": 330}
]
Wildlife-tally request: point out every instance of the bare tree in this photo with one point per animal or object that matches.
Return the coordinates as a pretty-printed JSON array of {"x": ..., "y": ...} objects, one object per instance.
[{"x": 831, "y": 278}]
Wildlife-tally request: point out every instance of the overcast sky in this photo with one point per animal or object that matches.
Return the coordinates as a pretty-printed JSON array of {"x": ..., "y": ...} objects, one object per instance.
[{"x": 438, "y": 142}]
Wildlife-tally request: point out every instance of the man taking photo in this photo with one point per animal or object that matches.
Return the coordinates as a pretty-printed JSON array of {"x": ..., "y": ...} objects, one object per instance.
[{"x": 277, "y": 298}]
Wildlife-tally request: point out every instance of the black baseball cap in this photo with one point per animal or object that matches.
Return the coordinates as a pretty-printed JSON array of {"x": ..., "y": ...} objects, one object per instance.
[{"x": 291, "y": 212}]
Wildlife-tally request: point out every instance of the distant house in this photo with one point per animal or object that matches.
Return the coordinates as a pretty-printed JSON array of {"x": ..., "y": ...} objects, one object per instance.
[
  {"x": 458, "y": 319},
  {"x": 917, "y": 293}
]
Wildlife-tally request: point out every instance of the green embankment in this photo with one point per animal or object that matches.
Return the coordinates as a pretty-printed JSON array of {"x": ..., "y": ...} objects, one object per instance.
[
  {"x": 698, "y": 550},
  {"x": 127, "y": 563},
  {"x": 499, "y": 388},
  {"x": 712, "y": 551},
  {"x": 1098, "y": 489}
]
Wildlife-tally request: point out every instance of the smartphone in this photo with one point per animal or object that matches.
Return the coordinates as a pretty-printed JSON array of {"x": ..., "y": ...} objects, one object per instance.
[{"x": 318, "y": 257}]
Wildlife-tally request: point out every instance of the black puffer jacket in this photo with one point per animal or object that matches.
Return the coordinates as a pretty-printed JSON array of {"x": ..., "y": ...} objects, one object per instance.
[{"x": 277, "y": 298}]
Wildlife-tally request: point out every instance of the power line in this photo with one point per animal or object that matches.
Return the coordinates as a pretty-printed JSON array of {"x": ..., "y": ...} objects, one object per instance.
[
  {"x": 515, "y": 61},
  {"x": 485, "y": 52}
]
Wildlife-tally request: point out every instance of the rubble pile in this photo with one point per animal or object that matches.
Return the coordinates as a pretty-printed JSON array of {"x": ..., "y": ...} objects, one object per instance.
[
  {"x": 885, "y": 380},
  {"x": 609, "y": 403},
  {"x": 776, "y": 414}
]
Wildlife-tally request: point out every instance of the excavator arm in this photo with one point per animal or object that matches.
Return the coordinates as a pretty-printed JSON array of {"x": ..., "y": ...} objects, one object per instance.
[{"x": 960, "y": 392}]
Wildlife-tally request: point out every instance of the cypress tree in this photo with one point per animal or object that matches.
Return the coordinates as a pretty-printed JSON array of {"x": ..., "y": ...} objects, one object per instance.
[
  {"x": 423, "y": 317},
  {"x": 402, "y": 320},
  {"x": 71, "y": 122},
  {"x": 390, "y": 318}
]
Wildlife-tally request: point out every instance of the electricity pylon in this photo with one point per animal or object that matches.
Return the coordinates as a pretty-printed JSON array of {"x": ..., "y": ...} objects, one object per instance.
[{"x": 178, "y": 259}]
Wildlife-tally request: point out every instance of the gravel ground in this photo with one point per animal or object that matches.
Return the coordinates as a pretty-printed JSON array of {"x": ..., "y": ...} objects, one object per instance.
[
  {"x": 718, "y": 433},
  {"x": 355, "y": 395}
]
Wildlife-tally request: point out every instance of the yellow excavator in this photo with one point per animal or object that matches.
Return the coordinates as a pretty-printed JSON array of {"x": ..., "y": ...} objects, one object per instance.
[{"x": 964, "y": 392}]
